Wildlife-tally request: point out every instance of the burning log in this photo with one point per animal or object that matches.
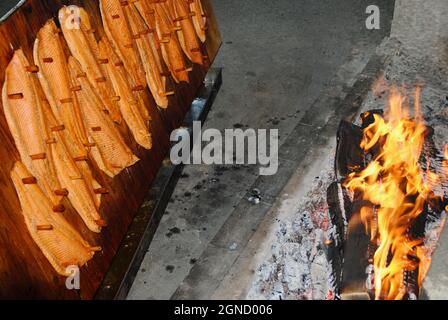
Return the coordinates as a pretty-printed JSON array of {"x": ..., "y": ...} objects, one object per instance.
[
  {"x": 389, "y": 187},
  {"x": 339, "y": 204},
  {"x": 349, "y": 155}
]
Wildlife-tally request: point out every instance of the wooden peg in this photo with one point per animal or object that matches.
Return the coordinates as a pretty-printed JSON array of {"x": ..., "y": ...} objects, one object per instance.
[
  {"x": 101, "y": 223},
  {"x": 116, "y": 16},
  {"x": 119, "y": 64},
  {"x": 76, "y": 88},
  {"x": 164, "y": 40},
  {"x": 81, "y": 75},
  {"x": 189, "y": 69},
  {"x": 101, "y": 191},
  {"x": 32, "y": 69},
  {"x": 67, "y": 100},
  {"x": 115, "y": 98},
  {"x": 61, "y": 192},
  {"x": 180, "y": 18},
  {"x": 103, "y": 61},
  {"x": 166, "y": 94},
  {"x": 59, "y": 208},
  {"x": 80, "y": 158},
  {"x": 47, "y": 60},
  {"x": 96, "y": 249},
  {"x": 102, "y": 79},
  {"x": 96, "y": 129},
  {"x": 40, "y": 156},
  {"x": 29, "y": 180},
  {"x": 15, "y": 96},
  {"x": 138, "y": 88},
  {"x": 44, "y": 227},
  {"x": 51, "y": 141},
  {"x": 58, "y": 128}
]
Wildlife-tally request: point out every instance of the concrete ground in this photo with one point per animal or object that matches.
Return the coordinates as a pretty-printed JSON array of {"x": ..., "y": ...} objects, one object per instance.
[{"x": 280, "y": 59}]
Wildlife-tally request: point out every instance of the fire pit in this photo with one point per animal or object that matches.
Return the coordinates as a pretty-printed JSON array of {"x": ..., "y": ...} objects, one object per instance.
[{"x": 389, "y": 192}]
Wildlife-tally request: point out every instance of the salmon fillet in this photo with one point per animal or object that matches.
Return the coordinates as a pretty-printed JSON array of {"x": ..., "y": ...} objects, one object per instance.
[
  {"x": 149, "y": 56},
  {"x": 171, "y": 49},
  {"x": 147, "y": 11},
  {"x": 199, "y": 18},
  {"x": 59, "y": 91},
  {"x": 83, "y": 46},
  {"x": 187, "y": 35},
  {"x": 128, "y": 103},
  {"x": 60, "y": 243},
  {"x": 54, "y": 78},
  {"x": 110, "y": 151},
  {"x": 74, "y": 174},
  {"x": 56, "y": 132},
  {"x": 117, "y": 30},
  {"x": 21, "y": 103},
  {"x": 148, "y": 14}
]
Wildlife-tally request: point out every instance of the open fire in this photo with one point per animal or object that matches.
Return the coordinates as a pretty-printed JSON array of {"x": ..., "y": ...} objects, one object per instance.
[{"x": 393, "y": 186}]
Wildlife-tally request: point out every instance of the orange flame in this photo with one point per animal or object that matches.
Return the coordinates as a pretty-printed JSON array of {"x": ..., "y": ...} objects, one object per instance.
[{"x": 393, "y": 183}]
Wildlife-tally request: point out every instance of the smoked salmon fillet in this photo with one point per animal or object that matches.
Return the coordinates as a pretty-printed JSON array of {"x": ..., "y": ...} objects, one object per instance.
[
  {"x": 21, "y": 103},
  {"x": 74, "y": 174},
  {"x": 54, "y": 78},
  {"x": 56, "y": 132},
  {"x": 82, "y": 44},
  {"x": 60, "y": 243},
  {"x": 148, "y": 14},
  {"x": 128, "y": 103},
  {"x": 199, "y": 18},
  {"x": 110, "y": 151},
  {"x": 117, "y": 30},
  {"x": 187, "y": 35},
  {"x": 170, "y": 47},
  {"x": 59, "y": 91},
  {"x": 149, "y": 55}
]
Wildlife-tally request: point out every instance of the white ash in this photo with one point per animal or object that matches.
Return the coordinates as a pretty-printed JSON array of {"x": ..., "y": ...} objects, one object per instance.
[{"x": 298, "y": 268}]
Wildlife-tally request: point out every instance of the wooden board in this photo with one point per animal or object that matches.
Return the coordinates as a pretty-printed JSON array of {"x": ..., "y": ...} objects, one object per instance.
[{"x": 24, "y": 271}]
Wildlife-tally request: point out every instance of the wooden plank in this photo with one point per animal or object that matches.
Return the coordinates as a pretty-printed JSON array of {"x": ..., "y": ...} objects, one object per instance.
[{"x": 24, "y": 271}]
